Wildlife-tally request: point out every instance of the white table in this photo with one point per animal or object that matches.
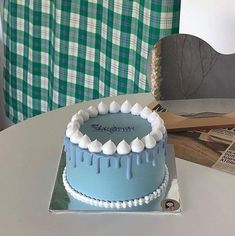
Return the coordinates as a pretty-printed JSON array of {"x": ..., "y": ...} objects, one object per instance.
[{"x": 29, "y": 156}]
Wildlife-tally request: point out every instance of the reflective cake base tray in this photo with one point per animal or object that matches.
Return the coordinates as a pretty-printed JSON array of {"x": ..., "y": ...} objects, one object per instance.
[{"x": 167, "y": 203}]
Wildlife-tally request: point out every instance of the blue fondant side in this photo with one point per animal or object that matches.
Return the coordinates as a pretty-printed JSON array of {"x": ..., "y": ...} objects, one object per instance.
[{"x": 115, "y": 178}]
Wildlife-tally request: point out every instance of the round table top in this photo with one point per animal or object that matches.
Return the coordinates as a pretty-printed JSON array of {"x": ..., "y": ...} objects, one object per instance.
[{"x": 29, "y": 158}]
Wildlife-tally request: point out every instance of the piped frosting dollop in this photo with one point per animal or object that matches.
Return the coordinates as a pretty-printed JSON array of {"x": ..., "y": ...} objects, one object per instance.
[
  {"x": 157, "y": 134},
  {"x": 74, "y": 123},
  {"x": 123, "y": 148},
  {"x": 114, "y": 107},
  {"x": 156, "y": 123},
  {"x": 84, "y": 114},
  {"x": 145, "y": 113},
  {"x": 126, "y": 107},
  {"x": 153, "y": 116},
  {"x": 74, "y": 117},
  {"x": 84, "y": 142},
  {"x": 103, "y": 108},
  {"x": 149, "y": 141},
  {"x": 79, "y": 118},
  {"x": 70, "y": 130},
  {"x": 137, "y": 145},
  {"x": 109, "y": 148},
  {"x": 95, "y": 146},
  {"x": 76, "y": 136},
  {"x": 136, "y": 109},
  {"x": 93, "y": 112}
]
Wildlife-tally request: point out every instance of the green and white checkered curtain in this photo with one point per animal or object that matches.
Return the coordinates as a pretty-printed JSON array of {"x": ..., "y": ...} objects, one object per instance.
[{"x": 61, "y": 52}]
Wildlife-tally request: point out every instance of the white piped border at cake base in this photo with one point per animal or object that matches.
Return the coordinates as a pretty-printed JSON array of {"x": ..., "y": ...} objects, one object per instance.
[{"x": 117, "y": 204}]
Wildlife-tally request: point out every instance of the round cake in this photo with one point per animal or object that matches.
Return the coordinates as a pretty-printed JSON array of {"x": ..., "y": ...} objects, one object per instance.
[{"x": 115, "y": 155}]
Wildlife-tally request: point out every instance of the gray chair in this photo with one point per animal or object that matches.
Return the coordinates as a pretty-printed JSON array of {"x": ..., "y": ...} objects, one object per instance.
[{"x": 183, "y": 66}]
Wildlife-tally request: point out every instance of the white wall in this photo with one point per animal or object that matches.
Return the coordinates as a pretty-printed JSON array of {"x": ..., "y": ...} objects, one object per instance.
[{"x": 211, "y": 20}]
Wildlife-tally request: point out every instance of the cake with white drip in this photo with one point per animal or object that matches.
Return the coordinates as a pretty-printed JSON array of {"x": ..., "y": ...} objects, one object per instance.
[{"x": 115, "y": 155}]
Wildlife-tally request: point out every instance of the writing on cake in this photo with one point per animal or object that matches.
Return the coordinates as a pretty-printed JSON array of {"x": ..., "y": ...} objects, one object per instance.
[{"x": 112, "y": 129}]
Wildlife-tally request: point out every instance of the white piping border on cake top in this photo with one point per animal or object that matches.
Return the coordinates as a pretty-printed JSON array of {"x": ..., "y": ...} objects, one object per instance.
[
  {"x": 109, "y": 148},
  {"x": 117, "y": 204}
]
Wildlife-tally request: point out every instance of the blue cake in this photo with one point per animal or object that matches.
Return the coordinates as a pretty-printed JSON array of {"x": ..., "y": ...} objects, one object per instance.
[{"x": 115, "y": 155}]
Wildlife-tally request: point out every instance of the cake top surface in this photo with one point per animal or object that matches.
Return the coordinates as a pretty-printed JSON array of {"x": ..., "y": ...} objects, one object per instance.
[{"x": 116, "y": 128}]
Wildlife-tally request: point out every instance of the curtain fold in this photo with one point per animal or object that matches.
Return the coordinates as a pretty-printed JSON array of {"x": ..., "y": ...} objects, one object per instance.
[{"x": 58, "y": 53}]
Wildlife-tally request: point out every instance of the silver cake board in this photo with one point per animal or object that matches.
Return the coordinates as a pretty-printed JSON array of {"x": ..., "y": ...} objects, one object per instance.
[{"x": 168, "y": 203}]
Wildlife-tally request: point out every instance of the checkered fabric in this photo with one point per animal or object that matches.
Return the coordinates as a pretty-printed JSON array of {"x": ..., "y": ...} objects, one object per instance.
[{"x": 58, "y": 53}]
